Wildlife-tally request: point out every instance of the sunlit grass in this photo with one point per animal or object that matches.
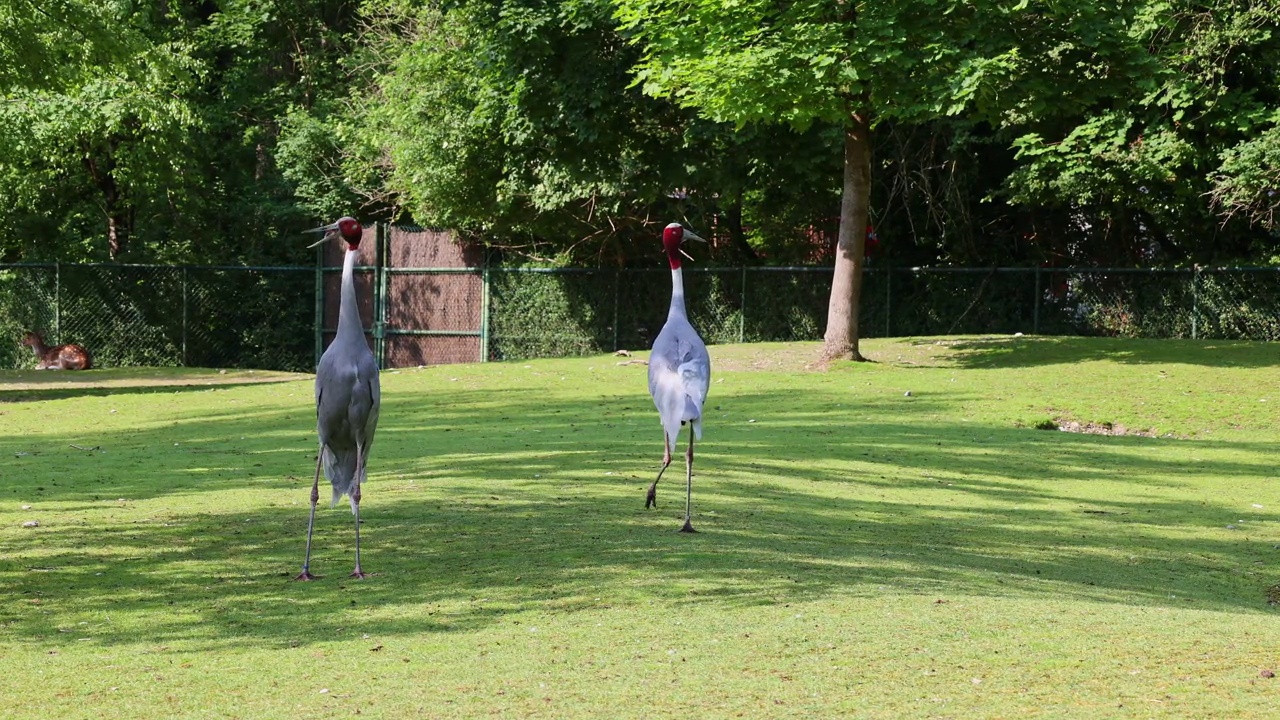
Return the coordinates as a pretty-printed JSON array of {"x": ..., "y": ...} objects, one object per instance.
[{"x": 892, "y": 539}]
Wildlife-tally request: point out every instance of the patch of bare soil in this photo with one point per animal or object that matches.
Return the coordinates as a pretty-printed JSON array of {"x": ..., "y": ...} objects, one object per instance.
[{"x": 1092, "y": 428}]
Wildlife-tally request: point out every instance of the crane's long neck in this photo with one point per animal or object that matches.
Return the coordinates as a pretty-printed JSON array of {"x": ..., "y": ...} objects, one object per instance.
[
  {"x": 348, "y": 310},
  {"x": 677, "y": 293}
]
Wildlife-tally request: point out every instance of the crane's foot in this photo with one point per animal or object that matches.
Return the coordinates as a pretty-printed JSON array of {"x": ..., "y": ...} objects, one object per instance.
[
  {"x": 651, "y": 498},
  {"x": 306, "y": 576},
  {"x": 359, "y": 574},
  {"x": 688, "y": 527}
]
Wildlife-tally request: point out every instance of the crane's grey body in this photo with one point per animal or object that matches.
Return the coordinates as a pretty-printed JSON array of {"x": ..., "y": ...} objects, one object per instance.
[
  {"x": 679, "y": 369},
  {"x": 347, "y": 400},
  {"x": 679, "y": 375}
]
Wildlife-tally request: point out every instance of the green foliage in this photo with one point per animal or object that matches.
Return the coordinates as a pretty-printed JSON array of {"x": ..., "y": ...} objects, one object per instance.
[
  {"x": 856, "y": 65},
  {"x": 312, "y": 158},
  {"x": 519, "y": 124},
  {"x": 114, "y": 118},
  {"x": 1103, "y": 160},
  {"x": 1191, "y": 117},
  {"x": 551, "y": 315},
  {"x": 512, "y": 119},
  {"x": 46, "y": 44},
  {"x": 758, "y": 61},
  {"x": 154, "y": 138},
  {"x": 1069, "y": 132},
  {"x": 1248, "y": 181}
]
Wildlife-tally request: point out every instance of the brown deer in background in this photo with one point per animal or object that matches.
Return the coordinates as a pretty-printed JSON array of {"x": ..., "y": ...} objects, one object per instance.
[{"x": 58, "y": 357}]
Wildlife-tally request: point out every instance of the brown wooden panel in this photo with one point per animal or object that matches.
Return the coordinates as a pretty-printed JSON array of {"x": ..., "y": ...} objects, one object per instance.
[
  {"x": 414, "y": 301},
  {"x": 425, "y": 301},
  {"x": 336, "y": 250},
  {"x": 430, "y": 248},
  {"x": 333, "y": 295},
  {"x": 328, "y": 338},
  {"x": 334, "y": 253},
  {"x": 415, "y": 350}
]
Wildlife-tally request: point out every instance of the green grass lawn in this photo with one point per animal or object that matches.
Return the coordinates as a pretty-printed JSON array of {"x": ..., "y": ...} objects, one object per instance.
[{"x": 887, "y": 540}]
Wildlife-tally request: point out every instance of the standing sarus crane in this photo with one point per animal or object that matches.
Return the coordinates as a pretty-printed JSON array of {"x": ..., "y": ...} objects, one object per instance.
[
  {"x": 347, "y": 397},
  {"x": 679, "y": 374}
]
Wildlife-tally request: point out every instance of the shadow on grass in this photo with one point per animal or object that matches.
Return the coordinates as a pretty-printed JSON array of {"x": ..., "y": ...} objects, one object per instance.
[
  {"x": 35, "y": 385},
  {"x": 536, "y": 504},
  {"x": 1010, "y": 352}
]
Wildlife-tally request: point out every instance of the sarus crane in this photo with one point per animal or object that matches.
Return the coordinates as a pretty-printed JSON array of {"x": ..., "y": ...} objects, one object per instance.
[
  {"x": 679, "y": 374},
  {"x": 347, "y": 397}
]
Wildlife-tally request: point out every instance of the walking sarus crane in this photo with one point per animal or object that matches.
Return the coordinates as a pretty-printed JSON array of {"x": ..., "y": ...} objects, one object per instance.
[
  {"x": 679, "y": 374},
  {"x": 347, "y": 397}
]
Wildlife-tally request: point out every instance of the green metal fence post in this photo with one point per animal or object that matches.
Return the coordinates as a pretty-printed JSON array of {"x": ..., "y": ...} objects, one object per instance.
[
  {"x": 57, "y": 301},
  {"x": 484, "y": 311},
  {"x": 319, "y": 303},
  {"x": 742, "y": 308},
  {"x": 1035, "y": 307},
  {"x": 1195, "y": 300},
  {"x": 617, "y": 280},
  {"x": 888, "y": 300},
  {"x": 381, "y": 285},
  {"x": 184, "y": 316},
  {"x": 375, "y": 290}
]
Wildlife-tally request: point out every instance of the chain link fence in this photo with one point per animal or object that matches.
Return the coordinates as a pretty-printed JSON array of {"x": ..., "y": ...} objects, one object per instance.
[
  {"x": 571, "y": 312},
  {"x": 275, "y": 318},
  {"x": 201, "y": 316}
]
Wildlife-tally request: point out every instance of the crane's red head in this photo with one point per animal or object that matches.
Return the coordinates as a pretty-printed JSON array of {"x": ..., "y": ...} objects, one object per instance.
[
  {"x": 347, "y": 227},
  {"x": 351, "y": 231},
  {"x": 672, "y": 236}
]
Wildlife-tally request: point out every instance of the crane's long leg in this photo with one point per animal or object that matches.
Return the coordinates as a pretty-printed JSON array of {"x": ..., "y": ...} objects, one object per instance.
[
  {"x": 688, "y": 486},
  {"x": 315, "y": 497},
  {"x": 355, "y": 508},
  {"x": 651, "y": 499}
]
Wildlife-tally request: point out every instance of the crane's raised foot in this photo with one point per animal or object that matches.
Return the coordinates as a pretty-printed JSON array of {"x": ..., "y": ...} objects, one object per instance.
[
  {"x": 651, "y": 498},
  {"x": 688, "y": 527},
  {"x": 306, "y": 576}
]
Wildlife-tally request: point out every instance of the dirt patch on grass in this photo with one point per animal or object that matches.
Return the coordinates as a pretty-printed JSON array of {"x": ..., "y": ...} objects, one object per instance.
[{"x": 1094, "y": 428}]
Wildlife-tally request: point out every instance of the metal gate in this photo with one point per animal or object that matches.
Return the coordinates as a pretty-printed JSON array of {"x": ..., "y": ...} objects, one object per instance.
[{"x": 423, "y": 294}]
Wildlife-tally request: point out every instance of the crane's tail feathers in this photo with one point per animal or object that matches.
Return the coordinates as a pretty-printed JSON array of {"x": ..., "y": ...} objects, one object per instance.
[
  {"x": 672, "y": 434},
  {"x": 672, "y": 431},
  {"x": 692, "y": 415},
  {"x": 340, "y": 469},
  {"x": 692, "y": 410}
]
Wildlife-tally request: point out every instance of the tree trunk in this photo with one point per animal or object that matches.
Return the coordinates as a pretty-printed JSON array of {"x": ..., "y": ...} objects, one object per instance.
[
  {"x": 841, "y": 339},
  {"x": 115, "y": 238},
  {"x": 118, "y": 224},
  {"x": 737, "y": 236}
]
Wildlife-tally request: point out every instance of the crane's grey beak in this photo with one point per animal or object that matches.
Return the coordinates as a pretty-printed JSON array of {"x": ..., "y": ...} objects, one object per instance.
[
  {"x": 328, "y": 231},
  {"x": 689, "y": 236}
]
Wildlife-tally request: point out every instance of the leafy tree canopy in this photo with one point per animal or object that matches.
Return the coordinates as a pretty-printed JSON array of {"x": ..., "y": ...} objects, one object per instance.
[
  {"x": 520, "y": 123},
  {"x": 1002, "y": 131}
]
